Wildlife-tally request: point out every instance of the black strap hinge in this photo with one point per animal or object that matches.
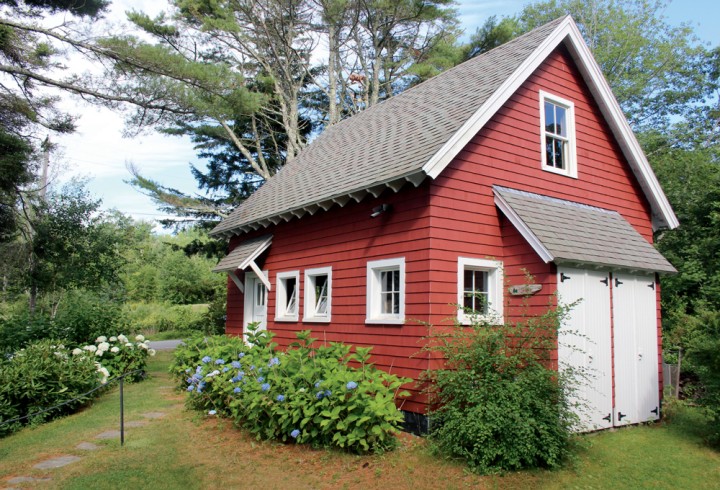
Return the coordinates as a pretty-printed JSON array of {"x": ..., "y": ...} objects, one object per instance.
[
  {"x": 617, "y": 282},
  {"x": 563, "y": 277}
]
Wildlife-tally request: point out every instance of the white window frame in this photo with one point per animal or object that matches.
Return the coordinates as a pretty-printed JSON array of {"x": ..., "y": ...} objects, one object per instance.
[
  {"x": 310, "y": 313},
  {"x": 373, "y": 291},
  {"x": 570, "y": 169},
  {"x": 494, "y": 268},
  {"x": 281, "y": 313}
]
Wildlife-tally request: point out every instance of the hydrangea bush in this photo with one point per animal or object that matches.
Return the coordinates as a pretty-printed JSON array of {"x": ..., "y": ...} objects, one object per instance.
[
  {"x": 119, "y": 355},
  {"x": 305, "y": 394},
  {"x": 42, "y": 375}
]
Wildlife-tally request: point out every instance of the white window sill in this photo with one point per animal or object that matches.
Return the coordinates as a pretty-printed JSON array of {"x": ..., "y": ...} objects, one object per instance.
[
  {"x": 286, "y": 319},
  {"x": 385, "y": 321},
  {"x": 316, "y": 319},
  {"x": 488, "y": 319}
]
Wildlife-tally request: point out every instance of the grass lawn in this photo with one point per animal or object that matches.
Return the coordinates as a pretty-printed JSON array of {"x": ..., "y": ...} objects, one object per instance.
[{"x": 185, "y": 450}]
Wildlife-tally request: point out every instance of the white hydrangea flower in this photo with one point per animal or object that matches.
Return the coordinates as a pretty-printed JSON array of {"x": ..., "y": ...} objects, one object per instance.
[
  {"x": 140, "y": 338},
  {"x": 142, "y": 345},
  {"x": 104, "y": 346},
  {"x": 99, "y": 352},
  {"x": 122, "y": 339},
  {"x": 113, "y": 339},
  {"x": 115, "y": 350},
  {"x": 90, "y": 348},
  {"x": 103, "y": 372},
  {"x": 151, "y": 352},
  {"x": 76, "y": 351},
  {"x": 129, "y": 344},
  {"x": 101, "y": 339}
]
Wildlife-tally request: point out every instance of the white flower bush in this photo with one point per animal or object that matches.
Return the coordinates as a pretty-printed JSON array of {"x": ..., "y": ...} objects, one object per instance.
[{"x": 117, "y": 355}]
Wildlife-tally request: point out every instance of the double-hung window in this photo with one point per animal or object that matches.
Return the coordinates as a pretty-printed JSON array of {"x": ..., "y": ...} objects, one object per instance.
[
  {"x": 386, "y": 291},
  {"x": 286, "y": 296},
  {"x": 557, "y": 120},
  {"x": 318, "y": 294},
  {"x": 480, "y": 286}
]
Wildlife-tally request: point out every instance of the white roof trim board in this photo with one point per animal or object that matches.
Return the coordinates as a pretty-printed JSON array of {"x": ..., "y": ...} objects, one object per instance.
[
  {"x": 567, "y": 232},
  {"x": 420, "y": 131}
]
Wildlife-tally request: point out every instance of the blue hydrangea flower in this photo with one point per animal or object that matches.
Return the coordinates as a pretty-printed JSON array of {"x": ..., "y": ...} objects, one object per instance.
[
  {"x": 274, "y": 362},
  {"x": 260, "y": 379},
  {"x": 191, "y": 387},
  {"x": 265, "y": 386},
  {"x": 198, "y": 369},
  {"x": 319, "y": 395},
  {"x": 190, "y": 380},
  {"x": 237, "y": 390},
  {"x": 241, "y": 355},
  {"x": 281, "y": 398},
  {"x": 294, "y": 434},
  {"x": 328, "y": 392},
  {"x": 212, "y": 412},
  {"x": 226, "y": 369},
  {"x": 252, "y": 367},
  {"x": 236, "y": 364},
  {"x": 351, "y": 385},
  {"x": 317, "y": 385},
  {"x": 188, "y": 370},
  {"x": 206, "y": 359},
  {"x": 220, "y": 361}
]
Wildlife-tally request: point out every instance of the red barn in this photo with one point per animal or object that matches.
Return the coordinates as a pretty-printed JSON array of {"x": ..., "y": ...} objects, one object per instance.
[{"x": 517, "y": 160}]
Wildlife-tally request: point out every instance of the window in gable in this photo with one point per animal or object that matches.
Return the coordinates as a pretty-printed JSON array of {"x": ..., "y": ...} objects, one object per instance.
[
  {"x": 557, "y": 119},
  {"x": 318, "y": 294},
  {"x": 386, "y": 291},
  {"x": 286, "y": 299},
  {"x": 480, "y": 286}
]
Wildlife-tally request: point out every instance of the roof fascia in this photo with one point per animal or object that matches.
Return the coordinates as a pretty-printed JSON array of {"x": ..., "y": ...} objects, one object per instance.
[
  {"x": 524, "y": 230},
  {"x": 663, "y": 215},
  {"x": 567, "y": 31},
  {"x": 258, "y": 251},
  {"x": 475, "y": 123}
]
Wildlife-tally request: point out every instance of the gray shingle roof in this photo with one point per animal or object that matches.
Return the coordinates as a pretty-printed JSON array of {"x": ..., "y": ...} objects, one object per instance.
[
  {"x": 387, "y": 142},
  {"x": 575, "y": 233},
  {"x": 244, "y": 252}
]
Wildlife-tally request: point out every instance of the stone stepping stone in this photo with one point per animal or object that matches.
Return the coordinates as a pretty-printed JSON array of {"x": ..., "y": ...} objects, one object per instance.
[
  {"x": 154, "y": 415},
  {"x": 136, "y": 423},
  {"x": 58, "y": 462},
  {"x": 27, "y": 479},
  {"x": 108, "y": 434},
  {"x": 87, "y": 446}
]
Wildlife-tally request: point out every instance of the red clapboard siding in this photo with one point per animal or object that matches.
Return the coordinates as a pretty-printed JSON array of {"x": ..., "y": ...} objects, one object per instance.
[{"x": 446, "y": 218}]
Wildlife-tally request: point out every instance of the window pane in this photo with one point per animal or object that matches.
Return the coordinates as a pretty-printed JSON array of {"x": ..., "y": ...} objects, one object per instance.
[
  {"x": 321, "y": 283},
  {"x": 387, "y": 303},
  {"x": 468, "y": 280},
  {"x": 549, "y": 153},
  {"x": 290, "y": 292},
  {"x": 549, "y": 117},
  {"x": 559, "y": 150},
  {"x": 560, "y": 123}
]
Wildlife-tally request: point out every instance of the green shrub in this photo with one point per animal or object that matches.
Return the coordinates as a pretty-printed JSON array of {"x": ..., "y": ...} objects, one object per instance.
[
  {"x": 119, "y": 355},
  {"x": 500, "y": 406},
  {"x": 307, "y": 394},
  {"x": 43, "y": 375},
  {"x": 83, "y": 315},
  {"x": 18, "y": 329},
  {"x": 163, "y": 317}
]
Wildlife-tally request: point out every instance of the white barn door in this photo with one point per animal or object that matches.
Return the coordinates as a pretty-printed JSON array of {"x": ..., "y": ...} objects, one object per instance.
[
  {"x": 636, "y": 350},
  {"x": 584, "y": 343}
]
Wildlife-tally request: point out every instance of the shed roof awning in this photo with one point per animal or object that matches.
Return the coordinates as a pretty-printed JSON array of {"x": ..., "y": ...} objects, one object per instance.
[
  {"x": 244, "y": 254},
  {"x": 567, "y": 232}
]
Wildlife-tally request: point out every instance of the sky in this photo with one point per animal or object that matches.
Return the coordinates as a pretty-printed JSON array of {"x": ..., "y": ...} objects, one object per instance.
[{"x": 98, "y": 151}]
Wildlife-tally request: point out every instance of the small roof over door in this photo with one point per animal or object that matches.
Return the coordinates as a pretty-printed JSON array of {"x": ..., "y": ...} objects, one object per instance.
[
  {"x": 244, "y": 254},
  {"x": 572, "y": 233}
]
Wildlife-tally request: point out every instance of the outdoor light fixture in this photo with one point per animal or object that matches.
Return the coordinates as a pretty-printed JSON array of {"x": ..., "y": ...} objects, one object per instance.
[{"x": 378, "y": 210}]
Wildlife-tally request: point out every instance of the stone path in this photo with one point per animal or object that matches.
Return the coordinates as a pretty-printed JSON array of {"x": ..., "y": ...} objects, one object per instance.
[{"x": 66, "y": 459}]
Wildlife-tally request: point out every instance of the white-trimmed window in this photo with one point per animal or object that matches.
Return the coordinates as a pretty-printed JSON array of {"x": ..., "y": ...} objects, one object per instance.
[
  {"x": 287, "y": 293},
  {"x": 386, "y": 291},
  {"x": 557, "y": 131},
  {"x": 318, "y": 294},
  {"x": 480, "y": 286}
]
